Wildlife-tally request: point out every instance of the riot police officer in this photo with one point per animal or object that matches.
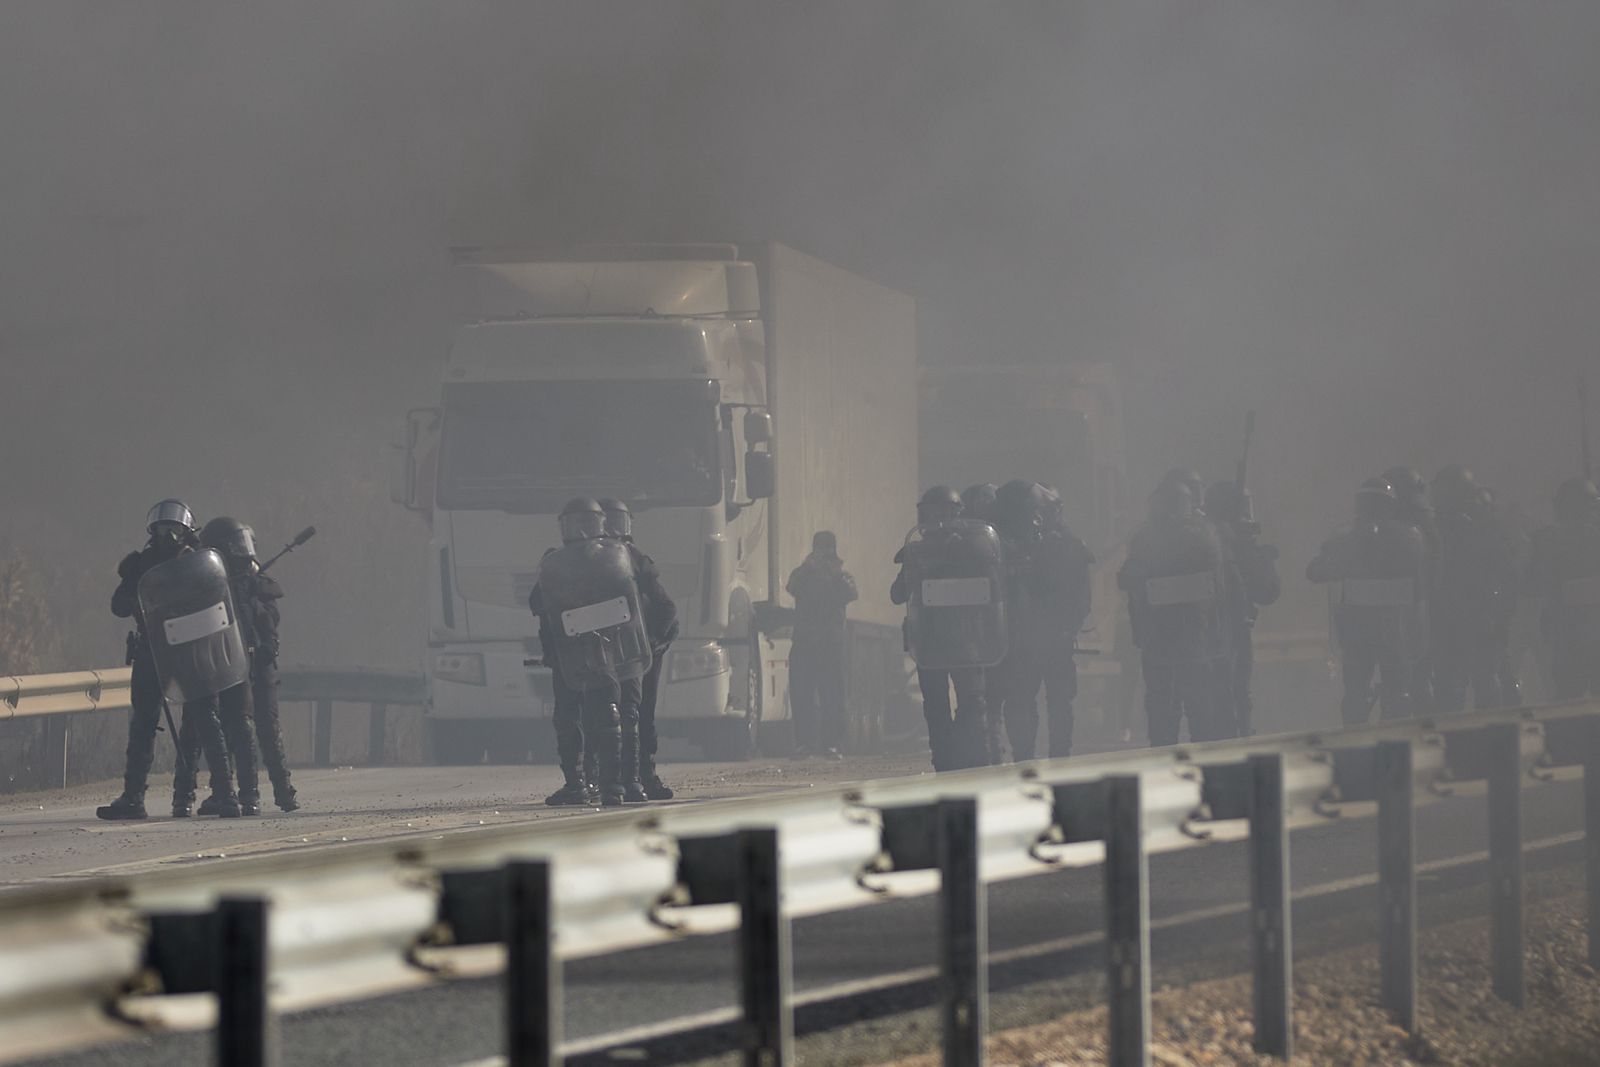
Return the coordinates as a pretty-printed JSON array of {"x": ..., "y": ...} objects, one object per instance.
[
  {"x": 952, "y": 579},
  {"x": 1565, "y": 571},
  {"x": 579, "y": 769},
  {"x": 822, "y": 591},
  {"x": 1411, "y": 492},
  {"x": 1475, "y": 586},
  {"x": 1048, "y": 598},
  {"x": 171, "y": 529},
  {"x": 1176, "y": 578},
  {"x": 661, "y": 623},
  {"x": 250, "y": 714},
  {"x": 587, "y": 597},
  {"x": 1380, "y": 565},
  {"x": 1228, "y": 506}
]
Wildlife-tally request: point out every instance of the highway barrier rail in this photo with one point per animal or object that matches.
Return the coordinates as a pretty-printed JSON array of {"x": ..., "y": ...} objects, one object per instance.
[
  {"x": 54, "y": 698},
  {"x": 231, "y": 944}
]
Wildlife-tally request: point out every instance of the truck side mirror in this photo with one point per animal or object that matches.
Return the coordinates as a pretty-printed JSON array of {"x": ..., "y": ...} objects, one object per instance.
[
  {"x": 757, "y": 427},
  {"x": 411, "y": 476},
  {"x": 759, "y": 476}
]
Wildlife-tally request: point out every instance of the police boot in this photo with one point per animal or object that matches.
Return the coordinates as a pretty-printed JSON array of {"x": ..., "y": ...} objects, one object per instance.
[
  {"x": 182, "y": 805},
  {"x": 250, "y": 803},
  {"x": 224, "y": 805},
  {"x": 628, "y": 772},
  {"x": 575, "y": 793},
  {"x": 208, "y": 806},
  {"x": 127, "y": 806},
  {"x": 654, "y": 788},
  {"x": 608, "y": 758},
  {"x": 283, "y": 794}
]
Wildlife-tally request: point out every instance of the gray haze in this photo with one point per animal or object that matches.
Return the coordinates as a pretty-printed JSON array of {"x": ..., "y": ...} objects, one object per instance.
[{"x": 222, "y": 235}]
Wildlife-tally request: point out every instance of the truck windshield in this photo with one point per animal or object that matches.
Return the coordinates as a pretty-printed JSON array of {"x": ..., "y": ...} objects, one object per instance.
[{"x": 531, "y": 446}]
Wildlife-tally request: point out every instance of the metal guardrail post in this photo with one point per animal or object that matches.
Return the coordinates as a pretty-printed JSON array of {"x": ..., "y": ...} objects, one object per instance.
[
  {"x": 1127, "y": 878},
  {"x": 1397, "y": 883},
  {"x": 1505, "y": 860},
  {"x": 244, "y": 1023},
  {"x": 533, "y": 974},
  {"x": 765, "y": 966},
  {"x": 963, "y": 934},
  {"x": 322, "y": 733},
  {"x": 1269, "y": 908},
  {"x": 377, "y": 734},
  {"x": 1591, "y": 831}
]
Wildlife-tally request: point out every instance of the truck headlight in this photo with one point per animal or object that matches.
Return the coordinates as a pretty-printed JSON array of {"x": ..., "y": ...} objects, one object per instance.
[
  {"x": 463, "y": 667},
  {"x": 700, "y": 661}
]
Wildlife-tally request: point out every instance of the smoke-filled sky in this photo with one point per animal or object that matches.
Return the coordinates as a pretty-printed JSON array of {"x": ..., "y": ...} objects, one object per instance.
[{"x": 223, "y": 227}]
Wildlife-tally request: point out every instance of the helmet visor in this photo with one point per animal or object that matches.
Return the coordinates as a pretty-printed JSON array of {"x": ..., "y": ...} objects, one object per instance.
[{"x": 169, "y": 511}]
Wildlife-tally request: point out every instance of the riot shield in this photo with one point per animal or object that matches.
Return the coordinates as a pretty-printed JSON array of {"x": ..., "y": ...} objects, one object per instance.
[
  {"x": 956, "y": 612},
  {"x": 192, "y": 627},
  {"x": 590, "y": 592}
]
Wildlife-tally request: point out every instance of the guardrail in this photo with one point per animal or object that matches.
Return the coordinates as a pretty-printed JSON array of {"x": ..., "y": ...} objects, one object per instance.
[
  {"x": 209, "y": 946},
  {"x": 55, "y": 697}
]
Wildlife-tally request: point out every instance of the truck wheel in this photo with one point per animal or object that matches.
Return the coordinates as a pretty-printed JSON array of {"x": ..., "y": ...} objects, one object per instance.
[{"x": 456, "y": 743}]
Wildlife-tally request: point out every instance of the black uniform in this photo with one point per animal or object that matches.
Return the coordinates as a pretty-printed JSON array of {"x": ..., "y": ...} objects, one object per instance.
[
  {"x": 199, "y": 729},
  {"x": 1050, "y": 598},
  {"x": 818, "y": 657},
  {"x": 257, "y": 597},
  {"x": 1565, "y": 571},
  {"x": 1256, "y": 566},
  {"x": 955, "y": 739},
  {"x": 1474, "y": 598},
  {"x": 1177, "y": 578},
  {"x": 1381, "y": 565},
  {"x": 661, "y": 623}
]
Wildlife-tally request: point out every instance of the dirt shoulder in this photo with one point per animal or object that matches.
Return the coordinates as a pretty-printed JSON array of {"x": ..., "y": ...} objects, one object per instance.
[{"x": 1337, "y": 1020}]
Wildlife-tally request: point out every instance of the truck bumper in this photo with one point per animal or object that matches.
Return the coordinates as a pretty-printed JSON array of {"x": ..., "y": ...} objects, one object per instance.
[{"x": 512, "y": 690}]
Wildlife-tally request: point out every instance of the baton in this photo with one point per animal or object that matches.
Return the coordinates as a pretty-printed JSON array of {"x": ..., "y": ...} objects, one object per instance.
[{"x": 166, "y": 708}]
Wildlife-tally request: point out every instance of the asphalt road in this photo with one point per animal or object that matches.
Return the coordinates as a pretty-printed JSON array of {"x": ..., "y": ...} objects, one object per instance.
[
  {"x": 461, "y": 1023},
  {"x": 55, "y": 836}
]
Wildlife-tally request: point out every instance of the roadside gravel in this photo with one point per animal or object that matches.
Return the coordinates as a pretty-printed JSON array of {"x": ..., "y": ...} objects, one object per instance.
[{"x": 1338, "y": 1022}]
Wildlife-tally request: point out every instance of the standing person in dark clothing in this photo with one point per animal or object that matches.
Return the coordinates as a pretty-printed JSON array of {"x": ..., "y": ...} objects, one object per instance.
[
  {"x": 818, "y": 657},
  {"x": 577, "y": 760},
  {"x": 171, "y": 527},
  {"x": 1475, "y": 586},
  {"x": 952, "y": 633},
  {"x": 591, "y": 612},
  {"x": 1565, "y": 571},
  {"x": 661, "y": 623},
  {"x": 1259, "y": 586},
  {"x": 1411, "y": 491},
  {"x": 1380, "y": 564},
  {"x": 1048, "y": 598},
  {"x": 234, "y": 542},
  {"x": 1176, "y": 579},
  {"x": 977, "y": 502}
]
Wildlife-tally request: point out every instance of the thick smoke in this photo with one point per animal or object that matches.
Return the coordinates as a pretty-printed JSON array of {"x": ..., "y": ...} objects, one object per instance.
[{"x": 222, "y": 235}]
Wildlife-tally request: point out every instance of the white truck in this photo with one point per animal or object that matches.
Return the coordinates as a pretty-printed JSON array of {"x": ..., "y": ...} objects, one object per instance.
[{"x": 738, "y": 398}]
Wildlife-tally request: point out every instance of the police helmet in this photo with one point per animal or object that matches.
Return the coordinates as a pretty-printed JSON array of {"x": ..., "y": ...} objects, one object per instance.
[
  {"x": 1191, "y": 481},
  {"x": 1454, "y": 489},
  {"x": 1019, "y": 508},
  {"x": 1173, "y": 501},
  {"x": 230, "y": 537},
  {"x": 939, "y": 504},
  {"x": 978, "y": 500},
  {"x": 619, "y": 519},
  {"x": 1577, "y": 502},
  {"x": 1376, "y": 500},
  {"x": 582, "y": 519},
  {"x": 169, "y": 512},
  {"x": 1409, "y": 484}
]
